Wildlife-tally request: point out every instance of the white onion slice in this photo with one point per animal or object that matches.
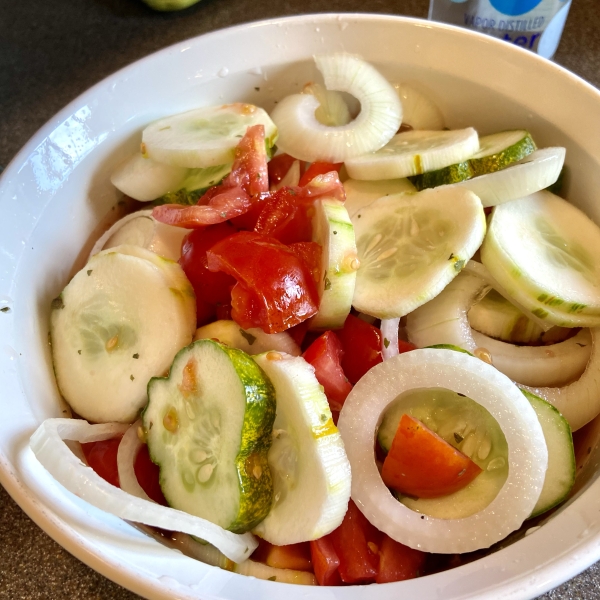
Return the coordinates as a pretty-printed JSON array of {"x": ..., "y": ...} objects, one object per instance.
[
  {"x": 142, "y": 229},
  {"x": 333, "y": 110},
  {"x": 430, "y": 368},
  {"x": 549, "y": 366},
  {"x": 578, "y": 402},
  {"x": 389, "y": 337},
  {"x": 47, "y": 443},
  {"x": 481, "y": 271},
  {"x": 444, "y": 320},
  {"x": 126, "y": 454},
  {"x": 301, "y": 134},
  {"x": 419, "y": 111}
]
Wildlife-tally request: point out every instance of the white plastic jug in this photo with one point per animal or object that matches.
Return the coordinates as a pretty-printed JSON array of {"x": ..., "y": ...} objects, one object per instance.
[{"x": 533, "y": 24}]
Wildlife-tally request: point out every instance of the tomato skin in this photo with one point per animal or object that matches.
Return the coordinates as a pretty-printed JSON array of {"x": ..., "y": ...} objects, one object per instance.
[
  {"x": 325, "y": 355},
  {"x": 102, "y": 457},
  {"x": 148, "y": 474},
  {"x": 325, "y": 561},
  {"x": 279, "y": 166},
  {"x": 211, "y": 289},
  {"x": 356, "y": 542},
  {"x": 398, "y": 562},
  {"x": 405, "y": 346},
  {"x": 310, "y": 253},
  {"x": 318, "y": 168},
  {"x": 274, "y": 290},
  {"x": 421, "y": 464},
  {"x": 361, "y": 342}
]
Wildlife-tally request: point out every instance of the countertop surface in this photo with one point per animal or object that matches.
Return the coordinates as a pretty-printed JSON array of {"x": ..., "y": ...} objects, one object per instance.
[{"x": 53, "y": 50}]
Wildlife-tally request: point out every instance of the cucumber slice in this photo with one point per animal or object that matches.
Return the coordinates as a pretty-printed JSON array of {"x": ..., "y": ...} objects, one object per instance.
[
  {"x": 118, "y": 323},
  {"x": 204, "y": 137},
  {"x": 144, "y": 179},
  {"x": 361, "y": 193},
  {"x": 415, "y": 152},
  {"x": 468, "y": 427},
  {"x": 251, "y": 341},
  {"x": 540, "y": 249},
  {"x": 499, "y": 150},
  {"x": 419, "y": 111},
  {"x": 310, "y": 469},
  {"x": 539, "y": 170},
  {"x": 142, "y": 229},
  {"x": 446, "y": 176},
  {"x": 495, "y": 316},
  {"x": 550, "y": 366},
  {"x": 333, "y": 231},
  {"x": 560, "y": 475},
  {"x": 195, "y": 184},
  {"x": 208, "y": 426},
  {"x": 411, "y": 246}
]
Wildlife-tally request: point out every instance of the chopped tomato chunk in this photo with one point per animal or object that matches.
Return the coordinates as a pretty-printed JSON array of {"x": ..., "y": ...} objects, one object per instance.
[
  {"x": 275, "y": 290},
  {"x": 325, "y": 355},
  {"x": 147, "y": 474},
  {"x": 318, "y": 168},
  {"x": 398, "y": 562},
  {"x": 310, "y": 253},
  {"x": 421, "y": 464},
  {"x": 279, "y": 166},
  {"x": 362, "y": 347},
  {"x": 291, "y": 556},
  {"x": 102, "y": 457},
  {"x": 325, "y": 561},
  {"x": 405, "y": 346}
]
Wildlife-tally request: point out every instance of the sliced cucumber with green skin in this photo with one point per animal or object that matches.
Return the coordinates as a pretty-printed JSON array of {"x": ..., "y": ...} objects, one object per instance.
[
  {"x": 415, "y": 152},
  {"x": 310, "y": 469},
  {"x": 499, "y": 150},
  {"x": 142, "y": 229},
  {"x": 251, "y": 341},
  {"x": 447, "y": 175},
  {"x": 194, "y": 186},
  {"x": 333, "y": 231},
  {"x": 495, "y": 316},
  {"x": 468, "y": 427},
  {"x": 537, "y": 171},
  {"x": 144, "y": 179},
  {"x": 118, "y": 323},
  {"x": 361, "y": 193},
  {"x": 208, "y": 426},
  {"x": 560, "y": 475},
  {"x": 411, "y": 246},
  {"x": 204, "y": 137},
  {"x": 541, "y": 250}
]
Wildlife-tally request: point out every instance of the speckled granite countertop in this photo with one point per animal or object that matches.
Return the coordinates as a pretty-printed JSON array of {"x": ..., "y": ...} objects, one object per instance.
[{"x": 50, "y": 52}]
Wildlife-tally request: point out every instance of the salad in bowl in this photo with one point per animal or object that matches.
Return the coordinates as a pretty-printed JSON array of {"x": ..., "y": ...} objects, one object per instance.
[{"x": 343, "y": 336}]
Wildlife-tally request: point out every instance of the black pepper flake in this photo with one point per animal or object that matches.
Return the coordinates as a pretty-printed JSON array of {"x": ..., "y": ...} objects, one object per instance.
[
  {"x": 248, "y": 337},
  {"x": 324, "y": 418},
  {"x": 273, "y": 578},
  {"x": 257, "y": 89},
  {"x": 461, "y": 395},
  {"x": 136, "y": 355},
  {"x": 335, "y": 233},
  {"x": 57, "y": 303},
  {"x": 131, "y": 377},
  {"x": 458, "y": 438},
  {"x": 451, "y": 256},
  {"x": 422, "y": 516},
  {"x": 89, "y": 272},
  {"x": 327, "y": 283},
  {"x": 78, "y": 351},
  {"x": 5, "y": 309}
]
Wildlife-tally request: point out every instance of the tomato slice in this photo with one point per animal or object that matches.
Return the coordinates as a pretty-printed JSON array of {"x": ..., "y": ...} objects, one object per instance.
[
  {"x": 102, "y": 457},
  {"x": 148, "y": 475},
  {"x": 361, "y": 342},
  {"x": 234, "y": 196},
  {"x": 398, "y": 562},
  {"x": 325, "y": 355},
  {"x": 211, "y": 289},
  {"x": 318, "y": 168},
  {"x": 356, "y": 542},
  {"x": 325, "y": 561},
  {"x": 291, "y": 556},
  {"x": 421, "y": 464},
  {"x": 310, "y": 253},
  {"x": 279, "y": 166},
  {"x": 275, "y": 289}
]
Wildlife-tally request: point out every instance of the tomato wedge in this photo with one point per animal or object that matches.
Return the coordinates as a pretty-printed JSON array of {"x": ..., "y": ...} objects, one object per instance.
[
  {"x": 279, "y": 166},
  {"x": 325, "y": 561},
  {"x": 398, "y": 562},
  {"x": 361, "y": 343},
  {"x": 318, "y": 168},
  {"x": 102, "y": 457},
  {"x": 421, "y": 464},
  {"x": 325, "y": 355},
  {"x": 275, "y": 290}
]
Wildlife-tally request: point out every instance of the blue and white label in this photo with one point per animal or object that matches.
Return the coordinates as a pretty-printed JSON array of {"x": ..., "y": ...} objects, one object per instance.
[{"x": 514, "y": 7}]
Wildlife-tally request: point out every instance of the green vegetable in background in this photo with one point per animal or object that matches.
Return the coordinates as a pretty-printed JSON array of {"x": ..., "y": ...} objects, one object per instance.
[{"x": 169, "y": 4}]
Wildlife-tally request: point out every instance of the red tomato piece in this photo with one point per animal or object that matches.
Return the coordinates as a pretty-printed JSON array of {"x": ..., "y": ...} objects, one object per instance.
[
  {"x": 279, "y": 166},
  {"x": 102, "y": 457},
  {"x": 327, "y": 185},
  {"x": 212, "y": 289},
  {"x": 325, "y": 561},
  {"x": 274, "y": 290},
  {"x": 356, "y": 542},
  {"x": 318, "y": 168},
  {"x": 421, "y": 464},
  {"x": 398, "y": 562},
  {"x": 405, "y": 346},
  {"x": 310, "y": 253},
  {"x": 249, "y": 170},
  {"x": 147, "y": 474},
  {"x": 325, "y": 355},
  {"x": 361, "y": 342},
  {"x": 292, "y": 556}
]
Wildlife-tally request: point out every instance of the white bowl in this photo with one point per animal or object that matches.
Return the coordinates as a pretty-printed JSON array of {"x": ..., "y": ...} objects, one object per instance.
[{"x": 57, "y": 190}]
